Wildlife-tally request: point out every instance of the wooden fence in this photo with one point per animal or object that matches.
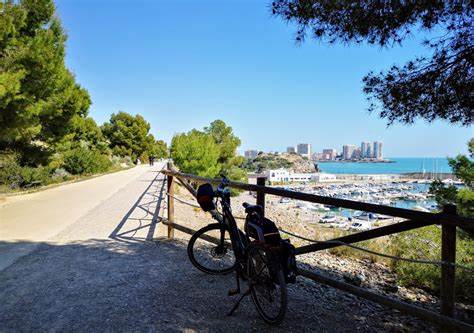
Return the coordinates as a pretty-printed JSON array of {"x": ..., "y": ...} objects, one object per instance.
[{"x": 448, "y": 219}]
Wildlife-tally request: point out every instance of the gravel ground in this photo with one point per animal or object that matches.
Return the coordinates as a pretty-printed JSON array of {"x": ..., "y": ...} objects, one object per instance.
[
  {"x": 112, "y": 270},
  {"x": 106, "y": 285}
]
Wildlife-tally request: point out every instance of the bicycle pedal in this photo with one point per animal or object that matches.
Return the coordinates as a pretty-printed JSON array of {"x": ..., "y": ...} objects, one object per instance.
[{"x": 233, "y": 292}]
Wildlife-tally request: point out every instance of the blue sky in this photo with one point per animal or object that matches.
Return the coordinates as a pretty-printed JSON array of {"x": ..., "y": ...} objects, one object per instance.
[{"x": 182, "y": 64}]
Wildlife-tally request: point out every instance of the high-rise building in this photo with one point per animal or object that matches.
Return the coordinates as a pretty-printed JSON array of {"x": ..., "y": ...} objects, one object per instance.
[
  {"x": 365, "y": 150},
  {"x": 329, "y": 154},
  {"x": 348, "y": 151},
  {"x": 357, "y": 153},
  {"x": 304, "y": 149},
  {"x": 290, "y": 150},
  {"x": 378, "y": 150},
  {"x": 250, "y": 154},
  {"x": 318, "y": 156}
]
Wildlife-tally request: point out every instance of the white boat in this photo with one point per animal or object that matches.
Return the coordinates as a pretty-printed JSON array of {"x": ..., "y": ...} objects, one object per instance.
[
  {"x": 328, "y": 219},
  {"x": 366, "y": 216},
  {"x": 420, "y": 209}
]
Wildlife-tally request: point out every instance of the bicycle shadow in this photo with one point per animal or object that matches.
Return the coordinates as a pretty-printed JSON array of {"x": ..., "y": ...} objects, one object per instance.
[{"x": 140, "y": 222}]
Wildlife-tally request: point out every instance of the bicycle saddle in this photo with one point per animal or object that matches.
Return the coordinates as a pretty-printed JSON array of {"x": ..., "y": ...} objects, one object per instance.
[{"x": 252, "y": 208}]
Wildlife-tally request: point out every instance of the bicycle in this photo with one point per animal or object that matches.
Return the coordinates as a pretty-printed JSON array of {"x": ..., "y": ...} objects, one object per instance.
[{"x": 257, "y": 255}]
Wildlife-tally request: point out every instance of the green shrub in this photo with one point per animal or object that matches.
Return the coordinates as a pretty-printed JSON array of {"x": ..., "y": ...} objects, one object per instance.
[
  {"x": 425, "y": 243},
  {"x": 121, "y": 162},
  {"x": 56, "y": 161},
  {"x": 81, "y": 161},
  {"x": 35, "y": 176},
  {"x": 15, "y": 176},
  {"x": 60, "y": 174},
  {"x": 10, "y": 170}
]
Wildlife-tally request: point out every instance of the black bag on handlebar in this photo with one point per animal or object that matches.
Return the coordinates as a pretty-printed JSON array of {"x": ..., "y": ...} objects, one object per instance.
[{"x": 205, "y": 197}]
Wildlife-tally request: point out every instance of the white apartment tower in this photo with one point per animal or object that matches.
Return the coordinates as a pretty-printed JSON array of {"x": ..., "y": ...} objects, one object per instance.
[
  {"x": 304, "y": 149},
  {"x": 377, "y": 153},
  {"x": 329, "y": 154},
  {"x": 250, "y": 154},
  {"x": 348, "y": 151},
  {"x": 365, "y": 150}
]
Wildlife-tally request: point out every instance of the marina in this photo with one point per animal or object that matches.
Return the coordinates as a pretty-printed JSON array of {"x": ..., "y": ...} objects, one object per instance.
[{"x": 410, "y": 194}]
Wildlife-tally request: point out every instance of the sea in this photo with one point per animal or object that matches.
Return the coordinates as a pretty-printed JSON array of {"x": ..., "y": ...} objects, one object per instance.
[{"x": 400, "y": 165}]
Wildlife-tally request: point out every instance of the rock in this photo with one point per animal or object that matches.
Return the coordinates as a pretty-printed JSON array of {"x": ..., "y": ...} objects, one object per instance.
[
  {"x": 354, "y": 279},
  {"x": 390, "y": 288}
]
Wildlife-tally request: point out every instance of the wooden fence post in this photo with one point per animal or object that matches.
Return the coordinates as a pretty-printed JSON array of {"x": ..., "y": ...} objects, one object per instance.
[
  {"x": 170, "y": 204},
  {"x": 261, "y": 195},
  {"x": 448, "y": 255}
]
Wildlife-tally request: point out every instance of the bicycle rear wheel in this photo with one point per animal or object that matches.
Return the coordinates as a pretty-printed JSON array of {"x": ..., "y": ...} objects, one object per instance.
[
  {"x": 210, "y": 250},
  {"x": 267, "y": 284}
]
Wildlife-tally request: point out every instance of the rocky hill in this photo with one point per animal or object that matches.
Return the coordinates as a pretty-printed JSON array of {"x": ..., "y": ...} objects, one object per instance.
[{"x": 266, "y": 161}]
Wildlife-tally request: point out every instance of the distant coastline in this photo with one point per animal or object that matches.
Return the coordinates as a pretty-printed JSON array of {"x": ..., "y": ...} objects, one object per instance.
[
  {"x": 398, "y": 165},
  {"x": 356, "y": 161}
]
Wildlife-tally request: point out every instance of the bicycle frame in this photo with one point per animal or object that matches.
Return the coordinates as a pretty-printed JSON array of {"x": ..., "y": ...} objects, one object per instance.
[{"x": 238, "y": 245}]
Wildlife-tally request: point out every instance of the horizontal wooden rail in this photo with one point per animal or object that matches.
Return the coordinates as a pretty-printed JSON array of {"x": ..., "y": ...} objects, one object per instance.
[
  {"x": 187, "y": 186},
  {"x": 413, "y": 215},
  {"x": 364, "y": 235},
  {"x": 415, "y": 219},
  {"x": 443, "y": 321}
]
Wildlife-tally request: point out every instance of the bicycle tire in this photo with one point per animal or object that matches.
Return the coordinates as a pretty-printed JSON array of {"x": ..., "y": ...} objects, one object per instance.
[
  {"x": 193, "y": 249},
  {"x": 278, "y": 277}
]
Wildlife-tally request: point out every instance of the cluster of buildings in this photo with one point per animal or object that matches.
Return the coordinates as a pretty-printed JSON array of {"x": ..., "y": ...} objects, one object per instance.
[
  {"x": 303, "y": 149},
  {"x": 288, "y": 176},
  {"x": 366, "y": 151}
]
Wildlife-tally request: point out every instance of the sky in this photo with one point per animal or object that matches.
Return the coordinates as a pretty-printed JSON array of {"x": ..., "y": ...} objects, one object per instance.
[{"x": 182, "y": 64}]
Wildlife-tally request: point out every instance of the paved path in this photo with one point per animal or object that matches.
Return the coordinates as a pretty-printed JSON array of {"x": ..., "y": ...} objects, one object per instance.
[{"x": 28, "y": 219}]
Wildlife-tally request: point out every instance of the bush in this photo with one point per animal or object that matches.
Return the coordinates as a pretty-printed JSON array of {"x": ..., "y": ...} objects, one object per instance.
[
  {"x": 15, "y": 176},
  {"x": 122, "y": 162},
  {"x": 81, "y": 161},
  {"x": 35, "y": 176},
  {"x": 425, "y": 243},
  {"x": 10, "y": 170},
  {"x": 60, "y": 174},
  {"x": 56, "y": 161}
]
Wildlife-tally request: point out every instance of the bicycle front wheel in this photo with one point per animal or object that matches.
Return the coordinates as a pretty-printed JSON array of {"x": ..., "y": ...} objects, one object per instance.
[
  {"x": 210, "y": 250},
  {"x": 267, "y": 284}
]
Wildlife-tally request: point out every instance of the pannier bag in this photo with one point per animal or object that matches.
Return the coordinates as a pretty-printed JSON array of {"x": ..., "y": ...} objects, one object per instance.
[
  {"x": 288, "y": 260},
  {"x": 266, "y": 231},
  {"x": 262, "y": 229},
  {"x": 205, "y": 197}
]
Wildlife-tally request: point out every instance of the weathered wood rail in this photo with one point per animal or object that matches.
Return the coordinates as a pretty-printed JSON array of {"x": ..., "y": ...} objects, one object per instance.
[{"x": 448, "y": 219}]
